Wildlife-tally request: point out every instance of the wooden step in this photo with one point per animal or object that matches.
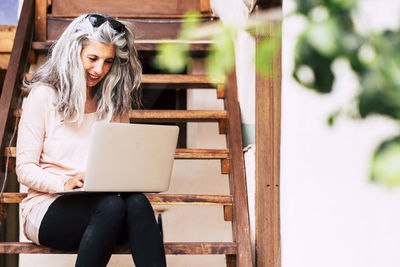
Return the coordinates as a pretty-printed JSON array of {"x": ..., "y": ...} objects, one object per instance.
[
  {"x": 155, "y": 199},
  {"x": 141, "y": 45},
  {"x": 185, "y": 81},
  {"x": 169, "y": 115},
  {"x": 177, "y": 115},
  {"x": 180, "y": 153},
  {"x": 135, "y": 16},
  {"x": 175, "y": 82},
  {"x": 174, "y": 248},
  {"x": 149, "y": 30}
]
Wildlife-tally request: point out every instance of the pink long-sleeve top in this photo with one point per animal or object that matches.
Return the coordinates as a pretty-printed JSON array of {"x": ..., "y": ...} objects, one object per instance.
[{"x": 48, "y": 153}]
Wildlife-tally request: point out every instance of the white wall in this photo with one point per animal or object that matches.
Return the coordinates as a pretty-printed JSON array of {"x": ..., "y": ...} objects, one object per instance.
[{"x": 331, "y": 215}]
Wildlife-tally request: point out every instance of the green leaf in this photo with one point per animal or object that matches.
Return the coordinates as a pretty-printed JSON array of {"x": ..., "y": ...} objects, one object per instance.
[
  {"x": 343, "y": 4},
  {"x": 385, "y": 167},
  {"x": 333, "y": 117},
  {"x": 324, "y": 37},
  {"x": 221, "y": 58},
  {"x": 266, "y": 51},
  {"x": 191, "y": 22},
  {"x": 305, "y": 6},
  {"x": 172, "y": 57},
  {"x": 319, "y": 64}
]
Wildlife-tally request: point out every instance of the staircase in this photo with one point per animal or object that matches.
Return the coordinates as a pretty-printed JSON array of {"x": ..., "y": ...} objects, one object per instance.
[{"x": 33, "y": 38}]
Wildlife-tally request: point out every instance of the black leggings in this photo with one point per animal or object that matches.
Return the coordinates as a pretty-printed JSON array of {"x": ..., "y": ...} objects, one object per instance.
[{"x": 93, "y": 223}]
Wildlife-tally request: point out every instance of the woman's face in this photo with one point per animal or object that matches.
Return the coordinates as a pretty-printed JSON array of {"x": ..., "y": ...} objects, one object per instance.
[{"x": 97, "y": 59}]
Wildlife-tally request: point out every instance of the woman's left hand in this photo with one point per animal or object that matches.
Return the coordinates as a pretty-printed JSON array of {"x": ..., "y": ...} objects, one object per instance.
[{"x": 75, "y": 181}]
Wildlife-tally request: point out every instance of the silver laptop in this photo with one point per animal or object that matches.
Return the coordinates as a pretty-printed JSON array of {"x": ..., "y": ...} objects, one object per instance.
[{"x": 129, "y": 158}]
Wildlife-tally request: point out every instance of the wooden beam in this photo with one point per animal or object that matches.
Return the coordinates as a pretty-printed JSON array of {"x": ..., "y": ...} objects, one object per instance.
[
  {"x": 268, "y": 115},
  {"x": 16, "y": 68}
]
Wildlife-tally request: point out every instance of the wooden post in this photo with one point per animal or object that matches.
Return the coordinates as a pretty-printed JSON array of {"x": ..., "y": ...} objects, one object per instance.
[
  {"x": 41, "y": 20},
  {"x": 268, "y": 115},
  {"x": 205, "y": 6}
]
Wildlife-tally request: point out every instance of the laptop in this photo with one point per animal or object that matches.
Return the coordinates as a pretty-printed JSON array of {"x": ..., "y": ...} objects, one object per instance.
[{"x": 129, "y": 158}]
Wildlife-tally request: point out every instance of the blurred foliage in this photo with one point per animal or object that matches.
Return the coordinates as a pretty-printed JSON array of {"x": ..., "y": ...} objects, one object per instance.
[
  {"x": 173, "y": 56},
  {"x": 221, "y": 58},
  {"x": 329, "y": 34},
  {"x": 386, "y": 168}
]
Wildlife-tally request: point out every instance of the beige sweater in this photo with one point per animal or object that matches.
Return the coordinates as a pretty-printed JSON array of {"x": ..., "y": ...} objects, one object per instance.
[{"x": 48, "y": 153}]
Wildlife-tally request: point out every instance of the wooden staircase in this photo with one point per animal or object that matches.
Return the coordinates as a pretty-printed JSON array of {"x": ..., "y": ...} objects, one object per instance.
[{"x": 29, "y": 43}]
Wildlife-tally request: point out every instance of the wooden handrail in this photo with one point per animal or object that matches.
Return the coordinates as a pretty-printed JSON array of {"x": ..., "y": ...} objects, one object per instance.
[
  {"x": 237, "y": 181},
  {"x": 16, "y": 67}
]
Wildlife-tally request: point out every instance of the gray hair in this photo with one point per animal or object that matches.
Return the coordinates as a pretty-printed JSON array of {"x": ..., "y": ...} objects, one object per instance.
[{"x": 65, "y": 73}]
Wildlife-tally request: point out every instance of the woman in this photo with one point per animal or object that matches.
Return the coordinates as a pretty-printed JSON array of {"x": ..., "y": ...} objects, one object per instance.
[{"x": 92, "y": 74}]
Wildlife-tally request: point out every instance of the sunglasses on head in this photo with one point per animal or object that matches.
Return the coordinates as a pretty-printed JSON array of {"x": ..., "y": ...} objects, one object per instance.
[{"x": 97, "y": 20}]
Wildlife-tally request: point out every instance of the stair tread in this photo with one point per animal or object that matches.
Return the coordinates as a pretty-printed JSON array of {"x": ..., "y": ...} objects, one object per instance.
[
  {"x": 141, "y": 45},
  {"x": 178, "y": 115},
  {"x": 181, "y": 80},
  {"x": 180, "y": 153},
  {"x": 169, "y": 115},
  {"x": 174, "y": 82},
  {"x": 193, "y": 248},
  {"x": 135, "y": 16},
  {"x": 154, "y": 198},
  {"x": 149, "y": 81}
]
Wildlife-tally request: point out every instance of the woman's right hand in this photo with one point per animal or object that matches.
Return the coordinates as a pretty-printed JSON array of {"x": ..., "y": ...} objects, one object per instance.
[{"x": 74, "y": 182}]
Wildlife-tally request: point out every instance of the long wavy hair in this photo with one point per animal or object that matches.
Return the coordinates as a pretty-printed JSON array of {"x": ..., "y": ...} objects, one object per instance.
[{"x": 64, "y": 71}]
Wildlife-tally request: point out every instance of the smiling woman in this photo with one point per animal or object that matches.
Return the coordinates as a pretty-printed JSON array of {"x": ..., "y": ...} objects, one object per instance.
[
  {"x": 91, "y": 75},
  {"x": 65, "y": 72},
  {"x": 97, "y": 59}
]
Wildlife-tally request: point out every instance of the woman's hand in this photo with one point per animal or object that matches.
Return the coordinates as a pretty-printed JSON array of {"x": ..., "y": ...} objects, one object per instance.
[{"x": 74, "y": 182}]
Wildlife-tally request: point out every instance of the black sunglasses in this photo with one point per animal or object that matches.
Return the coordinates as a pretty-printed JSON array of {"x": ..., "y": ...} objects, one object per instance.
[{"x": 96, "y": 20}]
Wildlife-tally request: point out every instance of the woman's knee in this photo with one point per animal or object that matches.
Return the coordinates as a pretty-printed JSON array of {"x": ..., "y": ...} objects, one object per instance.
[
  {"x": 111, "y": 205},
  {"x": 138, "y": 202}
]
